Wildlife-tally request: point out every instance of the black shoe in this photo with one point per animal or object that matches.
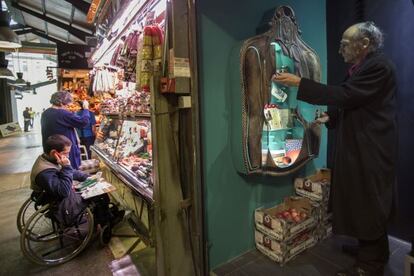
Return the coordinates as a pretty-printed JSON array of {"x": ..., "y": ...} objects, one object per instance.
[
  {"x": 105, "y": 235},
  {"x": 351, "y": 250}
]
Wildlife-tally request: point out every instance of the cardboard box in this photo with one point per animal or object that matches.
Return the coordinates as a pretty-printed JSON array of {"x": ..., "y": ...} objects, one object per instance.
[
  {"x": 315, "y": 187},
  {"x": 267, "y": 222},
  {"x": 321, "y": 211},
  {"x": 281, "y": 251},
  {"x": 323, "y": 230}
]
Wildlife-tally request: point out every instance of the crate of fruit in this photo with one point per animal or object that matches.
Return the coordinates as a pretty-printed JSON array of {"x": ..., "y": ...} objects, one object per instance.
[
  {"x": 315, "y": 187},
  {"x": 285, "y": 220},
  {"x": 283, "y": 251}
]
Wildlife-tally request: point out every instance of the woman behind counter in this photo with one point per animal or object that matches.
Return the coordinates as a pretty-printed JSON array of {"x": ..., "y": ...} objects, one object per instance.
[{"x": 58, "y": 120}]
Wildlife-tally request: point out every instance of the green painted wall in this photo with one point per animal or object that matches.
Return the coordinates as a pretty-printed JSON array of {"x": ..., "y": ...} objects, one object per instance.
[{"x": 231, "y": 198}]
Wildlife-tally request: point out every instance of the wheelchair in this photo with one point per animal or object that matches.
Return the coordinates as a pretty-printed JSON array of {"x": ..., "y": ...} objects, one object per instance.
[{"x": 46, "y": 241}]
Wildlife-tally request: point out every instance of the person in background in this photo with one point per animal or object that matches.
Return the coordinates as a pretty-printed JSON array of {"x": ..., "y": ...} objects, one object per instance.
[
  {"x": 26, "y": 118},
  {"x": 364, "y": 169},
  {"x": 32, "y": 115},
  {"x": 58, "y": 120},
  {"x": 87, "y": 134}
]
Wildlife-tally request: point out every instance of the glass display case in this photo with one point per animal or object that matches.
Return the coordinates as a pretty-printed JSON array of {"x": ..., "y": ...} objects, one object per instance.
[
  {"x": 125, "y": 146},
  {"x": 277, "y": 134}
]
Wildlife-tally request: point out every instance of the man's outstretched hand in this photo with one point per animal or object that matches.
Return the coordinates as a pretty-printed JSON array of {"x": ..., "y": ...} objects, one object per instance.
[
  {"x": 286, "y": 79},
  {"x": 324, "y": 118}
]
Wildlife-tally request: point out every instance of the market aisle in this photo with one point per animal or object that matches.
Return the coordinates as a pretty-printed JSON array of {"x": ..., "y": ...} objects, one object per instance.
[{"x": 17, "y": 155}]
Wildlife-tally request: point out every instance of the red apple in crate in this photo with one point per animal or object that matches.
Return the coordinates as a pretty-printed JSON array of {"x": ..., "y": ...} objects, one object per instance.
[{"x": 287, "y": 215}]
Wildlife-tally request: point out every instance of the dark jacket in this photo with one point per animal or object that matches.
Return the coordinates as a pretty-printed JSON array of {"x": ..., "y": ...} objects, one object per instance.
[
  {"x": 60, "y": 121},
  {"x": 52, "y": 183},
  {"x": 26, "y": 114},
  {"x": 55, "y": 180},
  {"x": 364, "y": 170}
]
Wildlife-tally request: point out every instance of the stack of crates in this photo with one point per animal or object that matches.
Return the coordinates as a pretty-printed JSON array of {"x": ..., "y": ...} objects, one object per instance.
[
  {"x": 317, "y": 189},
  {"x": 287, "y": 229}
]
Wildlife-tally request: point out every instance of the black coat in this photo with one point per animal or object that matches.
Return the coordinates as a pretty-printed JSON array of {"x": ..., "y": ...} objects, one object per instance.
[
  {"x": 26, "y": 114},
  {"x": 364, "y": 171}
]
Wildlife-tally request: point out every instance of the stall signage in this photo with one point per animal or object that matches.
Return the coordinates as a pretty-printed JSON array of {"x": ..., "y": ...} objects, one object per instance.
[
  {"x": 10, "y": 129},
  {"x": 72, "y": 56}
]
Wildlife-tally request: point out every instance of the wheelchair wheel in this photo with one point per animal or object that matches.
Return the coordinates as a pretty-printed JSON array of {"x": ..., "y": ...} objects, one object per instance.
[
  {"x": 55, "y": 244},
  {"x": 27, "y": 209}
]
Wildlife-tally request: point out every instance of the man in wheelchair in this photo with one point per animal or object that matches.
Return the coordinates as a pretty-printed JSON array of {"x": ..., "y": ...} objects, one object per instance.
[{"x": 52, "y": 179}]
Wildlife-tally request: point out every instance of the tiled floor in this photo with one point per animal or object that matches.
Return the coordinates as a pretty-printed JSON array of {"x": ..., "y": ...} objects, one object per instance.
[
  {"x": 17, "y": 153},
  {"x": 322, "y": 260}
]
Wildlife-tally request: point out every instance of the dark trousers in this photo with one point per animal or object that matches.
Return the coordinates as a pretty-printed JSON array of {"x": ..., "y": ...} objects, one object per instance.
[
  {"x": 26, "y": 125},
  {"x": 373, "y": 255},
  {"x": 87, "y": 142},
  {"x": 100, "y": 209}
]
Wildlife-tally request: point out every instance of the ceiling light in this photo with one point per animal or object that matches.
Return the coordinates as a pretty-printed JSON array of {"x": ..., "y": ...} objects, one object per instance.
[
  {"x": 8, "y": 38},
  {"x": 20, "y": 81}
]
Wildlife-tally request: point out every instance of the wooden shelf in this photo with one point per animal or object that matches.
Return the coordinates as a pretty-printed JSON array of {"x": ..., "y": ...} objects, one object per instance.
[{"x": 127, "y": 116}]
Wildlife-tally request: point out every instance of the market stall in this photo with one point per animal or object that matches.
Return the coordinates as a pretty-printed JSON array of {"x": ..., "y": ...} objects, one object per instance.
[{"x": 143, "y": 131}]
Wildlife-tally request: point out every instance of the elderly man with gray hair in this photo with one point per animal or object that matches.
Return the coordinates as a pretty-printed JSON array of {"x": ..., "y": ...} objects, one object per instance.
[
  {"x": 364, "y": 171},
  {"x": 58, "y": 120}
]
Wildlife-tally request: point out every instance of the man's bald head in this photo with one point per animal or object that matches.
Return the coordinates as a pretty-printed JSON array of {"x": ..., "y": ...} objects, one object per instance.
[{"x": 359, "y": 40}]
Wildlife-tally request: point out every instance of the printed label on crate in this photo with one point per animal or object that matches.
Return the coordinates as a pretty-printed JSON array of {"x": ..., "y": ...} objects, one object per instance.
[
  {"x": 268, "y": 221},
  {"x": 276, "y": 235},
  {"x": 275, "y": 257},
  {"x": 303, "y": 225},
  {"x": 284, "y": 257},
  {"x": 306, "y": 244},
  {"x": 267, "y": 242},
  {"x": 316, "y": 191}
]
